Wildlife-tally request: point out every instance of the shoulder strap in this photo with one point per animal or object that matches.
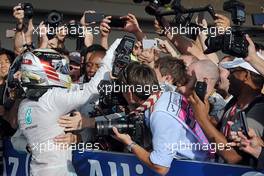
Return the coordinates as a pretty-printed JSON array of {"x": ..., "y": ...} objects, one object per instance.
[
  {"x": 230, "y": 103},
  {"x": 258, "y": 99}
]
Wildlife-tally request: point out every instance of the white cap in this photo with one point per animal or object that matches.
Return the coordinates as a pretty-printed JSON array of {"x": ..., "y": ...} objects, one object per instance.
[{"x": 240, "y": 62}]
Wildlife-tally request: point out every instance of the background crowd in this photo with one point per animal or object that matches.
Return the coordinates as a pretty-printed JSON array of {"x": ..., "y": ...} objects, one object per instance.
[{"x": 177, "y": 63}]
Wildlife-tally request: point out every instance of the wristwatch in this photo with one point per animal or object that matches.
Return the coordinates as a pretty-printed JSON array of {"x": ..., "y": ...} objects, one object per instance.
[{"x": 130, "y": 146}]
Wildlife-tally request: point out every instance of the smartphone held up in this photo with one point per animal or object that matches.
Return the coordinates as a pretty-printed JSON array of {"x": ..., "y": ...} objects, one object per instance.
[{"x": 96, "y": 18}]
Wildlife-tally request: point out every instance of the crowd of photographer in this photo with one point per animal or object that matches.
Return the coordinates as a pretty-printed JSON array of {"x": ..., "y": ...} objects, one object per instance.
[{"x": 167, "y": 98}]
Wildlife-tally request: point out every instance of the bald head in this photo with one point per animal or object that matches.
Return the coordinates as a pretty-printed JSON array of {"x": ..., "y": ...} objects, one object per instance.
[
  {"x": 206, "y": 69},
  {"x": 188, "y": 59}
]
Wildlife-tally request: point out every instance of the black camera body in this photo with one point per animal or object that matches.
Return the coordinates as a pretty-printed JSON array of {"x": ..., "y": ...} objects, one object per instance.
[
  {"x": 109, "y": 97},
  {"x": 233, "y": 42},
  {"x": 182, "y": 16},
  {"x": 28, "y": 10},
  {"x": 153, "y": 7},
  {"x": 122, "y": 55}
]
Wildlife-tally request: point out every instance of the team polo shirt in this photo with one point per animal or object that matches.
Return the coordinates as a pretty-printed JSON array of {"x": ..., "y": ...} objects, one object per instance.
[{"x": 170, "y": 139}]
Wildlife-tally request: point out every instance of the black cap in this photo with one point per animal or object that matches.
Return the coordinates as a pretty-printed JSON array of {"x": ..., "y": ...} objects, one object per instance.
[{"x": 75, "y": 58}]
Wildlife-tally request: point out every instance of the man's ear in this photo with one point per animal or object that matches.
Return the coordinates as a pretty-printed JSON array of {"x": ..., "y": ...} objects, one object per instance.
[
  {"x": 169, "y": 79},
  {"x": 206, "y": 80},
  {"x": 131, "y": 96},
  {"x": 247, "y": 77}
]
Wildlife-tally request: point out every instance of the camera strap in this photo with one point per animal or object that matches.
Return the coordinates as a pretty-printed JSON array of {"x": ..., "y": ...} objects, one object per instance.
[{"x": 148, "y": 104}]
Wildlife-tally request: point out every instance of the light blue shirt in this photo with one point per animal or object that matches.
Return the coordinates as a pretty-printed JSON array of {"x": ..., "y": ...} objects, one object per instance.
[
  {"x": 165, "y": 87},
  {"x": 170, "y": 139}
]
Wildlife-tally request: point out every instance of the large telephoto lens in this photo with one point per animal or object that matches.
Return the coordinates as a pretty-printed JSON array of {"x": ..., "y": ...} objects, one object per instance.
[{"x": 104, "y": 127}]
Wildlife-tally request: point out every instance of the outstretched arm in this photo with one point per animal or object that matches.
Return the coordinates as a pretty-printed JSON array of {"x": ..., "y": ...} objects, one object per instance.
[
  {"x": 68, "y": 100},
  {"x": 183, "y": 44},
  {"x": 140, "y": 152},
  {"x": 23, "y": 36},
  {"x": 133, "y": 27},
  {"x": 105, "y": 31},
  {"x": 253, "y": 58}
]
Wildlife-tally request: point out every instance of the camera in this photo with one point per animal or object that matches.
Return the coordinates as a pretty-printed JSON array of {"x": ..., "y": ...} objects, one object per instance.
[
  {"x": 74, "y": 30},
  {"x": 130, "y": 124},
  {"x": 117, "y": 23},
  {"x": 54, "y": 18},
  {"x": 122, "y": 54},
  {"x": 109, "y": 97},
  {"x": 232, "y": 42},
  {"x": 182, "y": 16},
  {"x": 237, "y": 10},
  {"x": 257, "y": 19},
  {"x": 111, "y": 112},
  {"x": 53, "y": 21},
  {"x": 153, "y": 5},
  {"x": 28, "y": 10}
]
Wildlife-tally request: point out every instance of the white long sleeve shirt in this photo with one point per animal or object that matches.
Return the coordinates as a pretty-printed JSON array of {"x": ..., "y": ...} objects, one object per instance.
[{"x": 38, "y": 120}]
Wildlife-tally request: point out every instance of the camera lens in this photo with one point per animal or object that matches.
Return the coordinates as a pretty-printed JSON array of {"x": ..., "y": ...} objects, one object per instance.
[
  {"x": 152, "y": 8},
  {"x": 54, "y": 18},
  {"x": 214, "y": 44},
  {"x": 138, "y": 1},
  {"x": 104, "y": 127}
]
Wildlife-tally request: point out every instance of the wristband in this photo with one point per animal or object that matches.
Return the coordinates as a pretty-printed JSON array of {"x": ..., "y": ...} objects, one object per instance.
[{"x": 130, "y": 146}]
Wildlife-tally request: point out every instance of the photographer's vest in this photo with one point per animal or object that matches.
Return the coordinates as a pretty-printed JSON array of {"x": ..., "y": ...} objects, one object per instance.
[{"x": 179, "y": 108}]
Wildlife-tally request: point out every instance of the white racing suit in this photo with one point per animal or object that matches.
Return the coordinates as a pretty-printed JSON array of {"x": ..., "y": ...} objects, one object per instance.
[{"x": 38, "y": 121}]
